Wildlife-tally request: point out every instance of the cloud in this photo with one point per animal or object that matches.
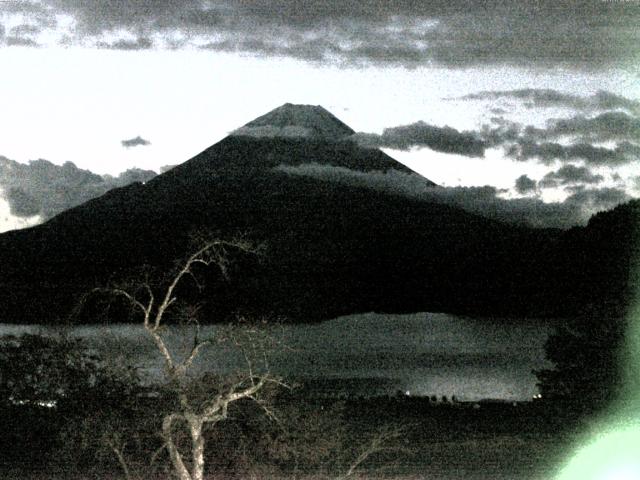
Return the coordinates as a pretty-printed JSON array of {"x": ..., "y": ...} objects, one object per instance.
[
  {"x": 140, "y": 43},
  {"x": 575, "y": 138},
  {"x": 603, "y": 127},
  {"x": 14, "y": 41},
  {"x": 404, "y": 32},
  {"x": 25, "y": 29},
  {"x": 500, "y": 131},
  {"x": 485, "y": 201},
  {"x": 45, "y": 189},
  {"x": 548, "y": 152},
  {"x": 32, "y": 17},
  {"x": 127, "y": 177},
  {"x": 420, "y": 134},
  {"x": 578, "y": 137},
  {"x": 272, "y": 131},
  {"x": 135, "y": 142},
  {"x": 21, "y": 203},
  {"x": 35, "y": 10},
  {"x": 21, "y": 35},
  {"x": 524, "y": 184},
  {"x": 569, "y": 175},
  {"x": 98, "y": 16},
  {"x": 537, "y": 97},
  {"x": 598, "y": 199}
]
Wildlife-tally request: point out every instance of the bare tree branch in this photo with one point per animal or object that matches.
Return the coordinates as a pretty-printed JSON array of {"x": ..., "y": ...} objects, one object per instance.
[
  {"x": 206, "y": 255},
  {"x": 379, "y": 443},
  {"x": 118, "y": 449}
]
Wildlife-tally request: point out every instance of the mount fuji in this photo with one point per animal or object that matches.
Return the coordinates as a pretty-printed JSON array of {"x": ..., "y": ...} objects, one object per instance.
[{"x": 331, "y": 248}]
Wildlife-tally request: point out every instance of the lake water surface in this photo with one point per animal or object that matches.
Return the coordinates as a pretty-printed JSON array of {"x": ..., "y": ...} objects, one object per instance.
[{"x": 422, "y": 353}]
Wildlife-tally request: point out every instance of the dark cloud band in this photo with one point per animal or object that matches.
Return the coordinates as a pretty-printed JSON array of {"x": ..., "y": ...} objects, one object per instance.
[
  {"x": 610, "y": 125},
  {"x": 548, "y": 152},
  {"x": 578, "y": 137},
  {"x": 420, "y": 134},
  {"x": 570, "y": 175},
  {"x": 534, "y": 97},
  {"x": 402, "y": 32}
]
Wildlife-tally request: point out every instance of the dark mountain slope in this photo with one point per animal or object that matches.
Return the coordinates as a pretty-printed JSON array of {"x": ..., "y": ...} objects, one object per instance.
[
  {"x": 331, "y": 249},
  {"x": 244, "y": 155}
]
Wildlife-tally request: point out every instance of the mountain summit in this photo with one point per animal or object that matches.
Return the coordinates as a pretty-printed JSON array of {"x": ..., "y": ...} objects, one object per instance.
[
  {"x": 290, "y": 136},
  {"x": 305, "y": 121}
]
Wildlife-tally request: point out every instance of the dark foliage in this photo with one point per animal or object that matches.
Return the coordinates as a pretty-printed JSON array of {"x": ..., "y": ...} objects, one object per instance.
[
  {"x": 587, "y": 353},
  {"x": 587, "y": 350},
  {"x": 58, "y": 401}
]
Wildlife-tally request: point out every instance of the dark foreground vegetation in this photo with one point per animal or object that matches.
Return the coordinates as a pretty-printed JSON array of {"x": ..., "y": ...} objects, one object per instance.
[{"x": 318, "y": 438}]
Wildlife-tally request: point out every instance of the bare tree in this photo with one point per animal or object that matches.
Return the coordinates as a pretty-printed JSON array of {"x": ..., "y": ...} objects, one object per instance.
[
  {"x": 385, "y": 440},
  {"x": 191, "y": 412}
]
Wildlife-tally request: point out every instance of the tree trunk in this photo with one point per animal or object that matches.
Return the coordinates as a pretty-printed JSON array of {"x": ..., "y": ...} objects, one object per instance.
[
  {"x": 197, "y": 448},
  {"x": 174, "y": 454}
]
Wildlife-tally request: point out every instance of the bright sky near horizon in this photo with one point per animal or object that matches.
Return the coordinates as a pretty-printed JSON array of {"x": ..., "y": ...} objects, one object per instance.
[
  {"x": 112, "y": 85},
  {"x": 77, "y": 104}
]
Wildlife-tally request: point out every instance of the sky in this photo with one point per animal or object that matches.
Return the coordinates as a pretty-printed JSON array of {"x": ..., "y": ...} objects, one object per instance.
[{"x": 521, "y": 105}]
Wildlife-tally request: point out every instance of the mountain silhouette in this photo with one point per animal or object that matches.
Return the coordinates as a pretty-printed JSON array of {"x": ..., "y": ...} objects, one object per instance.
[{"x": 330, "y": 248}]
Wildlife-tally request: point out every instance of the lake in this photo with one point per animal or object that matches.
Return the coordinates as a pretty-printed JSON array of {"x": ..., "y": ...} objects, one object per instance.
[{"x": 365, "y": 354}]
